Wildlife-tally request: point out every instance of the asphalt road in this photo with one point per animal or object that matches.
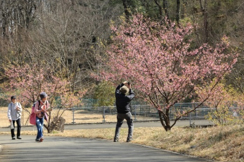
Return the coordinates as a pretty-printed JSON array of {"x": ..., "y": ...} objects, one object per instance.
[
  {"x": 56, "y": 149},
  {"x": 180, "y": 123}
]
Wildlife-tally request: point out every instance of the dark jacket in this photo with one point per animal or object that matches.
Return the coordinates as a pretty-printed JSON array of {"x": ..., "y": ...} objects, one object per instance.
[{"x": 123, "y": 101}]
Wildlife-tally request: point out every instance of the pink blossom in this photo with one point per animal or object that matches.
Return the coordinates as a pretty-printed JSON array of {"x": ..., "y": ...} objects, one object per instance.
[{"x": 159, "y": 62}]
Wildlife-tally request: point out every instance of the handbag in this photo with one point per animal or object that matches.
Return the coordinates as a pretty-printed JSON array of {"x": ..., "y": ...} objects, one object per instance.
[{"x": 33, "y": 116}]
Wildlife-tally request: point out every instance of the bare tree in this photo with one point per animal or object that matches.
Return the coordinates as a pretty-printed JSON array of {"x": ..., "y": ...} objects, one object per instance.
[{"x": 70, "y": 37}]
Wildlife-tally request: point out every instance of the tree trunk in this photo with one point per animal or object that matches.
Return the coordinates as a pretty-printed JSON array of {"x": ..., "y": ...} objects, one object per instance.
[
  {"x": 47, "y": 128},
  {"x": 178, "y": 12},
  {"x": 165, "y": 121},
  {"x": 205, "y": 19},
  {"x": 165, "y": 7},
  {"x": 159, "y": 9},
  {"x": 3, "y": 25},
  {"x": 126, "y": 9},
  {"x": 56, "y": 124},
  {"x": 48, "y": 123}
]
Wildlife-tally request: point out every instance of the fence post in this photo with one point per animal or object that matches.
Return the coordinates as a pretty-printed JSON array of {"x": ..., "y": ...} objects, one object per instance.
[
  {"x": 23, "y": 116},
  {"x": 73, "y": 110},
  {"x": 193, "y": 105},
  {"x": 104, "y": 115},
  {"x": 135, "y": 114},
  {"x": 190, "y": 119}
]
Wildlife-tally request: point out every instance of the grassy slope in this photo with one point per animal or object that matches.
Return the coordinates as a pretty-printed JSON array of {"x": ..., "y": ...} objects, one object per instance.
[{"x": 218, "y": 143}]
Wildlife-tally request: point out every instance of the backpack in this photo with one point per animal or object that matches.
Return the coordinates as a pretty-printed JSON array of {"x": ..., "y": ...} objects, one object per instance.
[{"x": 33, "y": 114}]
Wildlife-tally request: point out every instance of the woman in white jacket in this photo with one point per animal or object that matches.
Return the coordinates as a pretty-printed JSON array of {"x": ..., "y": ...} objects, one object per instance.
[{"x": 14, "y": 115}]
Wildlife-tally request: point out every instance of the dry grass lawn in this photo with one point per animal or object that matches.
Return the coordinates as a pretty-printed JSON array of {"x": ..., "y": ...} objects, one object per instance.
[
  {"x": 217, "y": 143},
  {"x": 81, "y": 116}
]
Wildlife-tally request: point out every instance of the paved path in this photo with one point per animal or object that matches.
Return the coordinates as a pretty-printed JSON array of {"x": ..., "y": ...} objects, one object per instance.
[
  {"x": 55, "y": 149},
  {"x": 112, "y": 125}
]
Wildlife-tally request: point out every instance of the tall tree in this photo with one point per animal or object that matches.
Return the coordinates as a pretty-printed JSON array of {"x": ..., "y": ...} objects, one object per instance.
[
  {"x": 160, "y": 9},
  {"x": 165, "y": 7},
  {"x": 126, "y": 9},
  {"x": 204, "y": 9},
  {"x": 162, "y": 66},
  {"x": 178, "y": 11}
]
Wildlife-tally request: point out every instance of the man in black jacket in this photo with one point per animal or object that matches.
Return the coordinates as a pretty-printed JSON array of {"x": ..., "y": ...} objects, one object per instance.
[{"x": 124, "y": 95}]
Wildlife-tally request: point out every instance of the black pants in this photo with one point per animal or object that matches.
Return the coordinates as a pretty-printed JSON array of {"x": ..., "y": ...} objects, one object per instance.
[
  {"x": 120, "y": 119},
  {"x": 18, "y": 128}
]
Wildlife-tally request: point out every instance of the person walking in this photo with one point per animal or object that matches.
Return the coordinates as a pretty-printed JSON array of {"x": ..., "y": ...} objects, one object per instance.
[
  {"x": 14, "y": 115},
  {"x": 41, "y": 108},
  {"x": 124, "y": 94}
]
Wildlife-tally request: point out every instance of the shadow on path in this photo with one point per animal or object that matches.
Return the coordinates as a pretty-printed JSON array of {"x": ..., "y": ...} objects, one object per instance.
[{"x": 55, "y": 149}]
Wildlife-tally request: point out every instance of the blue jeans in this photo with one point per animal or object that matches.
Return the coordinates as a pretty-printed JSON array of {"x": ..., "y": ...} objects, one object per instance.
[{"x": 39, "y": 126}]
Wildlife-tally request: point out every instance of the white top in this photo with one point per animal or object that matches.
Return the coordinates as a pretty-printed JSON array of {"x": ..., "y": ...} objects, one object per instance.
[{"x": 13, "y": 114}]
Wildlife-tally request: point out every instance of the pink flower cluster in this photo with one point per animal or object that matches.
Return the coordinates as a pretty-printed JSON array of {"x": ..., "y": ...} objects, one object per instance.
[{"x": 28, "y": 81}]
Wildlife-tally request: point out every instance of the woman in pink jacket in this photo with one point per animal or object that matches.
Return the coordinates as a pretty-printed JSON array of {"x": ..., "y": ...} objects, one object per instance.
[{"x": 41, "y": 108}]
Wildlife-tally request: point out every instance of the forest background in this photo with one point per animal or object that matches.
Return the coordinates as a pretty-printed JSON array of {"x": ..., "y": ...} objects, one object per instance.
[{"x": 59, "y": 43}]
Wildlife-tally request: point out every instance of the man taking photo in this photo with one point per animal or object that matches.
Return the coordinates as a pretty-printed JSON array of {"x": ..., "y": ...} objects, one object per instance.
[{"x": 124, "y": 94}]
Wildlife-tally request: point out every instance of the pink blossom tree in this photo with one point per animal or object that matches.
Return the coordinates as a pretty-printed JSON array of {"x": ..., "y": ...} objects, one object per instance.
[
  {"x": 28, "y": 81},
  {"x": 162, "y": 65}
]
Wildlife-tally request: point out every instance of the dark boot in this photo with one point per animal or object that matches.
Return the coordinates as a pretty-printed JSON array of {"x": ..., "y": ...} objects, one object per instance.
[
  {"x": 116, "y": 139},
  {"x": 129, "y": 140}
]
